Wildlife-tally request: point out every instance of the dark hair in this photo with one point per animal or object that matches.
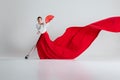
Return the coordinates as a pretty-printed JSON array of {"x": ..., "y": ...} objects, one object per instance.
[{"x": 39, "y": 17}]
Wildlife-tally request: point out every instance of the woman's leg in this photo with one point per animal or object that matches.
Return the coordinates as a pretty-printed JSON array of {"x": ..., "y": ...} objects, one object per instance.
[{"x": 30, "y": 52}]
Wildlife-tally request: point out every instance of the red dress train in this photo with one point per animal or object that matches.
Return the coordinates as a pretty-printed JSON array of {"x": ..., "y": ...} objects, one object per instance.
[{"x": 75, "y": 40}]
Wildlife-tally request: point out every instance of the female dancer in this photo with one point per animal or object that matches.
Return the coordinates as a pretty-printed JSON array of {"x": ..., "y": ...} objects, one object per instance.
[{"x": 41, "y": 28}]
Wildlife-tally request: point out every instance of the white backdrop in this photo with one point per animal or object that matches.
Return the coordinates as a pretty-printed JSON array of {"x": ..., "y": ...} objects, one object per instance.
[{"x": 18, "y": 19}]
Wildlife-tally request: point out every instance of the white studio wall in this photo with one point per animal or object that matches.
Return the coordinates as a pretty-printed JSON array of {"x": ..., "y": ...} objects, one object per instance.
[{"x": 18, "y": 19}]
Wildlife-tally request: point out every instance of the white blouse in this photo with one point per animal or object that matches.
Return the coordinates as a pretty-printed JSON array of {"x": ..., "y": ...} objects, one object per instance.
[{"x": 42, "y": 28}]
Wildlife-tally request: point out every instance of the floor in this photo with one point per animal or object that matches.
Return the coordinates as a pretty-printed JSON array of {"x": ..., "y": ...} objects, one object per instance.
[{"x": 59, "y": 70}]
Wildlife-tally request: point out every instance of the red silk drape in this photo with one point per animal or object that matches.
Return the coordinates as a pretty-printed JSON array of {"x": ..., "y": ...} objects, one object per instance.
[{"x": 75, "y": 40}]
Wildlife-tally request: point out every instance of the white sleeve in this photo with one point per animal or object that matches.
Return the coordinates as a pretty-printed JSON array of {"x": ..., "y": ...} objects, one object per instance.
[
  {"x": 46, "y": 25},
  {"x": 38, "y": 27}
]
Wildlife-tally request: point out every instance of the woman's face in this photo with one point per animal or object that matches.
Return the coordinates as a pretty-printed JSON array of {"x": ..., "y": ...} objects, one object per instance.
[{"x": 39, "y": 20}]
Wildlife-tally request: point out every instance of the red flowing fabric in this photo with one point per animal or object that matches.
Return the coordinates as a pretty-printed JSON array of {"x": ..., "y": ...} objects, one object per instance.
[{"x": 75, "y": 40}]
